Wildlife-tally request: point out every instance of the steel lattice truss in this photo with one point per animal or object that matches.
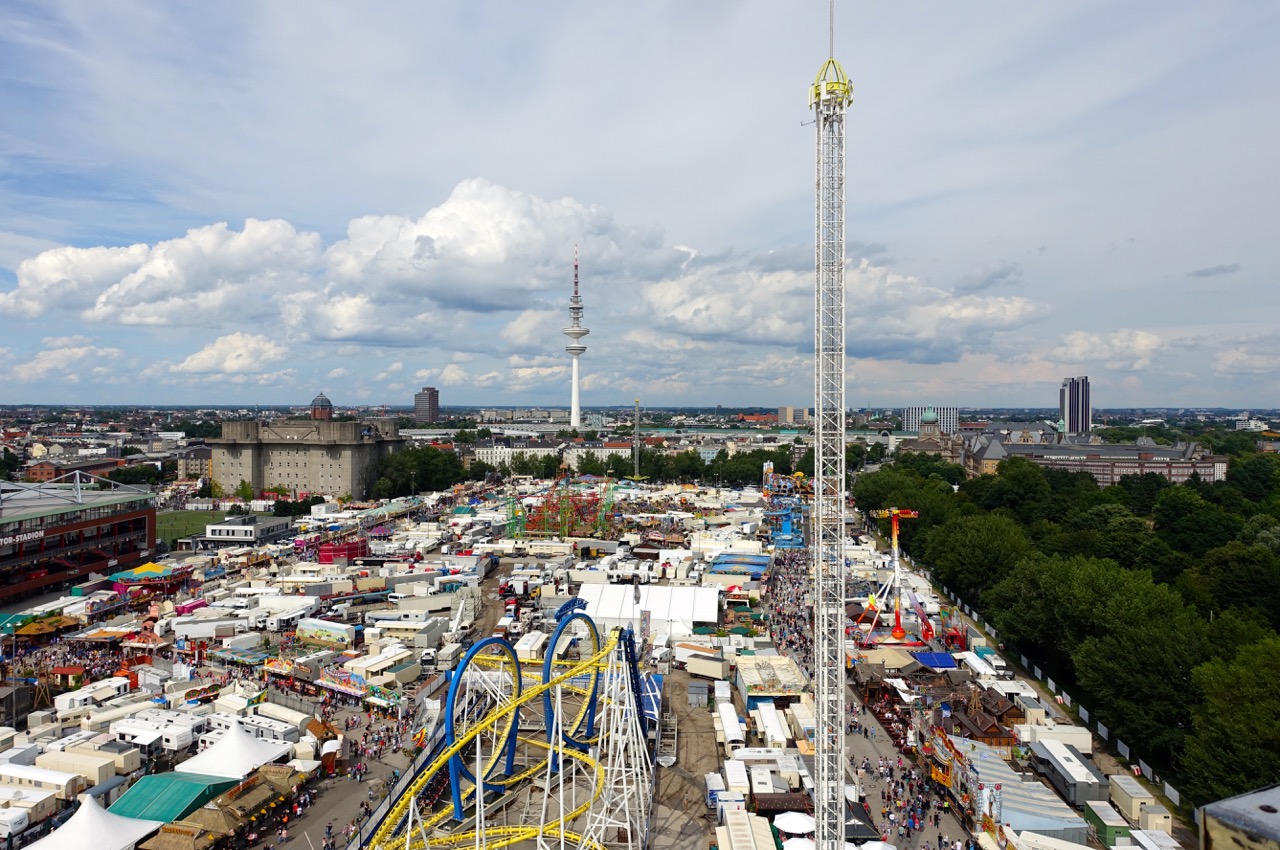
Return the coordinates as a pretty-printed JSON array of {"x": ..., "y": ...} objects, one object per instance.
[{"x": 830, "y": 97}]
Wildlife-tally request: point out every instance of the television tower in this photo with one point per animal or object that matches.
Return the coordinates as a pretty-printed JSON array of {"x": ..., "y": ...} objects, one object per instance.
[
  {"x": 575, "y": 332},
  {"x": 829, "y": 96}
]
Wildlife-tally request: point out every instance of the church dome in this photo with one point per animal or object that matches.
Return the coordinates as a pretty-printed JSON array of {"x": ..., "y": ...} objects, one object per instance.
[{"x": 929, "y": 417}]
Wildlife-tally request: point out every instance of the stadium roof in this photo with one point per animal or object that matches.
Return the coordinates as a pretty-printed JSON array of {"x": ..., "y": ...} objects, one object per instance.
[{"x": 19, "y": 501}]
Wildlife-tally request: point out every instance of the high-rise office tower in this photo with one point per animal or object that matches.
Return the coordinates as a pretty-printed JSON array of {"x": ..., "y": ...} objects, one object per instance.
[
  {"x": 426, "y": 405},
  {"x": 1074, "y": 405}
]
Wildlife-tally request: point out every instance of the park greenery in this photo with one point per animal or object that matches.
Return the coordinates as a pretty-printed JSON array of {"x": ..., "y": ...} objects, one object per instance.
[{"x": 1157, "y": 605}]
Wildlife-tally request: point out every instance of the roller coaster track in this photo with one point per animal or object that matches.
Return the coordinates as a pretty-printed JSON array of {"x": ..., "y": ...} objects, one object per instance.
[{"x": 401, "y": 828}]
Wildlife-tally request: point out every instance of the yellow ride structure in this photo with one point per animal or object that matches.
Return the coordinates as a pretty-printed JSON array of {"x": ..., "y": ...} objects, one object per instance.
[{"x": 561, "y": 763}]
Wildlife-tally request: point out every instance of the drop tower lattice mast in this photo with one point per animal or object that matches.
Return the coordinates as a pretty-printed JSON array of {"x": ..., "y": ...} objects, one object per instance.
[
  {"x": 575, "y": 332},
  {"x": 829, "y": 96}
]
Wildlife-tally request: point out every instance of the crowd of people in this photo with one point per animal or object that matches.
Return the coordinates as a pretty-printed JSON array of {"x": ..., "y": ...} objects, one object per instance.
[
  {"x": 98, "y": 661},
  {"x": 912, "y": 811},
  {"x": 789, "y": 595}
]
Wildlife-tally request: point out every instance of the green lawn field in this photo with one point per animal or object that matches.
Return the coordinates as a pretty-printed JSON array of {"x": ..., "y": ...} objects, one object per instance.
[{"x": 174, "y": 524}]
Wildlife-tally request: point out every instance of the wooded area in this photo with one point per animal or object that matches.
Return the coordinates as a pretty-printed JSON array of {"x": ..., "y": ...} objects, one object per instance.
[{"x": 1160, "y": 604}]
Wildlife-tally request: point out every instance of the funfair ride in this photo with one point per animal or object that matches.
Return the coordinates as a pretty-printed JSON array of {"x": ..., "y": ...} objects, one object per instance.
[
  {"x": 554, "y": 751},
  {"x": 829, "y": 96},
  {"x": 893, "y": 591}
]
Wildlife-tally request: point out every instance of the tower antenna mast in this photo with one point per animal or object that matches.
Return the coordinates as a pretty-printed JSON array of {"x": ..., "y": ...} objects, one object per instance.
[
  {"x": 829, "y": 96},
  {"x": 575, "y": 332}
]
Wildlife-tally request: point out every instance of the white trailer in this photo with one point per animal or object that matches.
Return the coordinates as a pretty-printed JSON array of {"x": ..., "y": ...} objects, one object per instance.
[
  {"x": 531, "y": 646},
  {"x": 734, "y": 738}
]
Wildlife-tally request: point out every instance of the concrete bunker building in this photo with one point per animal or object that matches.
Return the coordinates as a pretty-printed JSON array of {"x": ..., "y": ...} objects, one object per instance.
[{"x": 314, "y": 457}]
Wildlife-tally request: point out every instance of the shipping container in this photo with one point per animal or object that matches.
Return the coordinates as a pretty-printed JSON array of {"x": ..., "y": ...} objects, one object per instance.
[
  {"x": 707, "y": 667},
  {"x": 1128, "y": 795}
]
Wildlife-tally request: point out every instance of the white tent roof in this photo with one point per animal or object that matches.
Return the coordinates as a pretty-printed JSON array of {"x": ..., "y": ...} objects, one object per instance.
[
  {"x": 93, "y": 825},
  {"x": 614, "y": 605},
  {"x": 235, "y": 755}
]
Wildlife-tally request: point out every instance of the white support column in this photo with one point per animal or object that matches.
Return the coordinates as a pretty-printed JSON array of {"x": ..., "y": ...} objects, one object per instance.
[{"x": 620, "y": 815}]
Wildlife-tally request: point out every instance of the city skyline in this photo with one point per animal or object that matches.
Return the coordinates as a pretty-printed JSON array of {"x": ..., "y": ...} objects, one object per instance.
[{"x": 1032, "y": 193}]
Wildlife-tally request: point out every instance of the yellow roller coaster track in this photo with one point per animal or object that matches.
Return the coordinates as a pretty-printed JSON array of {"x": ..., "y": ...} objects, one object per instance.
[{"x": 385, "y": 839}]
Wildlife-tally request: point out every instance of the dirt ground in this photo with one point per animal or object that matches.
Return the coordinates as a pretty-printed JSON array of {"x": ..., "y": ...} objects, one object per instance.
[{"x": 681, "y": 788}]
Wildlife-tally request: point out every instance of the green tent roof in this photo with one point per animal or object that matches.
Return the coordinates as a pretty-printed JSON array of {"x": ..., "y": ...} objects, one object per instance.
[
  {"x": 169, "y": 797},
  {"x": 10, "y": 622},
  {"x": 704, "y": 630}
]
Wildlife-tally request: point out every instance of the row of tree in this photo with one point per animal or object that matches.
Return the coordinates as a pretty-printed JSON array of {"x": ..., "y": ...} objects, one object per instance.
[
  {"x": 423, "y": 469},
  {"x": 1158, "y": 604}
]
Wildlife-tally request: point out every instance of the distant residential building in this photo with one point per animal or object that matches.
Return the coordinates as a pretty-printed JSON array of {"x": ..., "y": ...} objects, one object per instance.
[
  {"x": 48, "y": 470},
  {"x": 600, "y": 450},
  {"x": 948, "y": 418},
  {"x": 1074, "y": 405},
  {"x": 503, "y": 451},
  {"x": 317, "y": 457},
  {"x": 195, "y": 463},
  {"x": 426, "y": 405},
  {"x": 1244, "y": 423},
  {"x": 793, "y": 416}
]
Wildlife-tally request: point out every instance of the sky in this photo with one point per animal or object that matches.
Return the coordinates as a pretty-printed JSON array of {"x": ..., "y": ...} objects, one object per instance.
[{"x": 249, "y": 203}]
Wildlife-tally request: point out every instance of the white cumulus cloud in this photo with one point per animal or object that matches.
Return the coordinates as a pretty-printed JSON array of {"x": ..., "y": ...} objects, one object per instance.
[
  {"x": 57, "y": 363},
  {"x": 452, "y": 375},
  {"x": 1236, "y": 361},
  {"x": 1122, "y": 349},
  {"x": 234, "y": 354}
]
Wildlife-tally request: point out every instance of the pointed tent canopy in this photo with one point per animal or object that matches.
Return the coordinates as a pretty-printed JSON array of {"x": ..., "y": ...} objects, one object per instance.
[
  {"x": 93, "y": 826},
  {"x": 235, "y": 755},
  {"x": 795, "y": 823}
]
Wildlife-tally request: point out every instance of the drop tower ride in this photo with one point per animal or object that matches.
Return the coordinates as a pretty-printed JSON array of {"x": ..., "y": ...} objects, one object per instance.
[{"x": 829, "y": 96}]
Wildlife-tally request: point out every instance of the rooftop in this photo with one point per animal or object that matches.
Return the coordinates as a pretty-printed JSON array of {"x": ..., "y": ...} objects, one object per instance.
[{"x": 32, "y": 501}]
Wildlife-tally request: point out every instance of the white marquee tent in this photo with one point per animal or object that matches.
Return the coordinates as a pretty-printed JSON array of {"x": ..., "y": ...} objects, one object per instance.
[
  {"x": 236, "y": 754},
  {"x": 672, "y": 611},
  {"x": 94, "y": 826}
]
